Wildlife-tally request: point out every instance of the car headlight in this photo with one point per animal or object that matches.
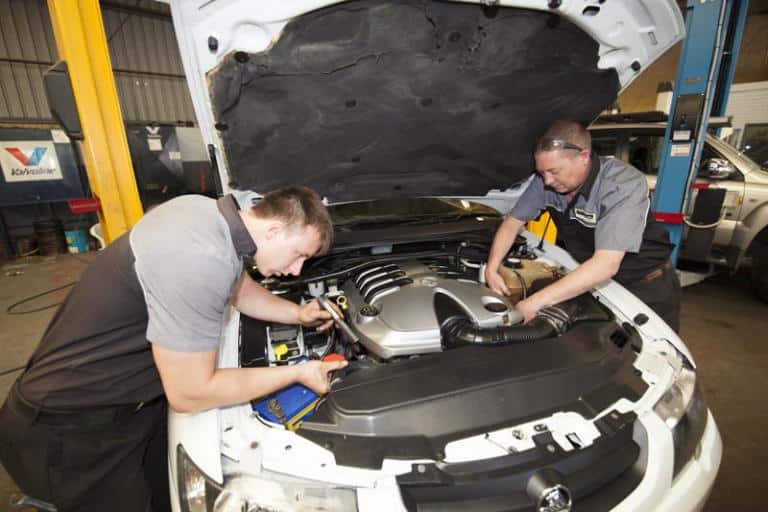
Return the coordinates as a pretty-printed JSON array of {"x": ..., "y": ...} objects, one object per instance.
[
  {"x": 244, "y": 493},
  {"x": 684, "y": 411}
]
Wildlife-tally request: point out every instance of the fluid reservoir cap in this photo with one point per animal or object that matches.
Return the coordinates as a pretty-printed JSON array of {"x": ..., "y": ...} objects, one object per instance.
[
  {"x": 280, "y": 351},
  {"x": 369, "y": 310},
  {"x": 513, "y": 263}
]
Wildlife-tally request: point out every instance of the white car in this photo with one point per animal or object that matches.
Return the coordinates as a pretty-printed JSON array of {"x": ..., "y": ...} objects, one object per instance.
[
  {"x": 742, "y": 229},
  {"x": 412, "y": 118}
]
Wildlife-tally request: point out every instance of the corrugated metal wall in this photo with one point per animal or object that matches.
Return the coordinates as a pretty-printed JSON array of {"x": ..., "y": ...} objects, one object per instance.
[
  {"x": 27, "y": 48},
  {"x": 145, "y": 57}
]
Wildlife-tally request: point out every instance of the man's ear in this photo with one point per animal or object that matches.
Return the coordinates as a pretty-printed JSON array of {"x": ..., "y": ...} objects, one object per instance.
[{"x": 274, "y": 228}]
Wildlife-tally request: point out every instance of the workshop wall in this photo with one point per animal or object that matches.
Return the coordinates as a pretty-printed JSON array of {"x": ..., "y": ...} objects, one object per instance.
[
  {"x": 148, "y": 73},
  {"x": 753, "y": 55}
]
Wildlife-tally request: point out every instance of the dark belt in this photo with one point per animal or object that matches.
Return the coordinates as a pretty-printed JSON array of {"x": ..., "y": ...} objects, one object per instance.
[
  {"x": 656, "y": 273},
  {"x": 75, "y": 417}
]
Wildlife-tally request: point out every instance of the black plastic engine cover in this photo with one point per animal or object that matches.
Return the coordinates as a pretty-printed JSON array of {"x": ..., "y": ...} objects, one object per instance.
[{"x": 412, "y": 408}]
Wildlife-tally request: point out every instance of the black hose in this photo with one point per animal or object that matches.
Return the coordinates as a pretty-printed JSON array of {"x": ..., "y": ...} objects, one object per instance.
[
  {"x": 522, "y": 282},
  {"x": 11, "y": 310},
  {"x": 12, "y": 370},
  {"x": 363, "y": 264},
  {"x": 457, "y": 329}
]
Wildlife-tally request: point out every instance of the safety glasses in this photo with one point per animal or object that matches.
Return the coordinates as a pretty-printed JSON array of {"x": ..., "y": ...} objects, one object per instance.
[{"x": 547, "y": 144}]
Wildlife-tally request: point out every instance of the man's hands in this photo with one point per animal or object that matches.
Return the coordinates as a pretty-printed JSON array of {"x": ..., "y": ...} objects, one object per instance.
[
  {"x": 312, "y": 315},
  {"x": 316, "y": 374},
  {"x": 528, "y": 308},
  {"x": 495, "y": 281},
  {"x": 602, "y": 266},
  {"x": 502, "y": 242}
]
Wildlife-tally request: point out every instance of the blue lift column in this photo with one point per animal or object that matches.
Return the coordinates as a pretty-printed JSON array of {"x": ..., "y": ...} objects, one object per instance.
[
  {"x": 710, "y": 50},
  {"x": 735, "y": 31}
]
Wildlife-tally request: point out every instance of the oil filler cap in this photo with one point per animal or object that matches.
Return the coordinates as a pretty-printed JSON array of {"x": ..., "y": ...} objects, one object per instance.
[{"x": 496, "y": 307}]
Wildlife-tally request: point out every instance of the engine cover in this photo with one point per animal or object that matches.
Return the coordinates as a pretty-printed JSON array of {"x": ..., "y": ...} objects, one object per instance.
[{"x": 391, "y": 306}]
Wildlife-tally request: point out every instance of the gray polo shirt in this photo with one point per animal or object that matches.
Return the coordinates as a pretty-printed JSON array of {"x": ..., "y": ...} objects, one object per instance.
[
  {"x": 611, "y": 211},
  {"x": 613, "y": 202},
  {"x": 167, "y": 281},
  {"x": 186, "y": 264}
]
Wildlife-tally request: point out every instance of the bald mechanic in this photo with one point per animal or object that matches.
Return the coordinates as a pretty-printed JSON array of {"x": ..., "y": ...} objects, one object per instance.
[
  {"x": 84, "y": 427},
  {"x": 602, "y": 212}
]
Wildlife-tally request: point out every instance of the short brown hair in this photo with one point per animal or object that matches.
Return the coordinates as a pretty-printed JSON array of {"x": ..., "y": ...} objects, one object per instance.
[
  {"x": 571, "y": 132},
  {"x": 297, "y": 206}
]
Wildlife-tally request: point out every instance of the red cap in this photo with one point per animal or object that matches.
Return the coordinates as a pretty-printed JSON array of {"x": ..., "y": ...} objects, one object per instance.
[{"x": 333, "y": 357}]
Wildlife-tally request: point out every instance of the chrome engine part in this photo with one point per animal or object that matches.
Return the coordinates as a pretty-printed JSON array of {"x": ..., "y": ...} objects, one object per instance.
[{"x": 391, "y": 306}]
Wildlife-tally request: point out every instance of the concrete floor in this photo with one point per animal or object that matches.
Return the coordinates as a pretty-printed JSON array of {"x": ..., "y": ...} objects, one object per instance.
[{"x": 723, "y": 324}]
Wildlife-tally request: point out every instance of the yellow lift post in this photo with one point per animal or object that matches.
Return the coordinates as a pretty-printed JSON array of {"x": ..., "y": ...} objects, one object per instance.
[{"x": 82, "y": 43}]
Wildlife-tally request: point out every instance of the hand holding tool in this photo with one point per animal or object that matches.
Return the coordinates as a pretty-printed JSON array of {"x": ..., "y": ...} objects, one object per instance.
[{"x": 337, "y": 319}]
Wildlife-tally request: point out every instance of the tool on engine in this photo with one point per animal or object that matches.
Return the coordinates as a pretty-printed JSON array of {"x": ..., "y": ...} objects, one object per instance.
[
  {"x": 338, "y": 373},
  {"x": 338, "y": 320}
]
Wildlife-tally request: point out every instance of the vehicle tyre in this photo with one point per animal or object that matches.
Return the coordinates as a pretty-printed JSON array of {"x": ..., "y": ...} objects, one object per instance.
[{"x": 760, "y": 270}]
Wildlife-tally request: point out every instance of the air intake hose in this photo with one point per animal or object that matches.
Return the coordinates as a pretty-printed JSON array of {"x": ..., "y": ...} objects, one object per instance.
[{"x": 456, "y": 328}]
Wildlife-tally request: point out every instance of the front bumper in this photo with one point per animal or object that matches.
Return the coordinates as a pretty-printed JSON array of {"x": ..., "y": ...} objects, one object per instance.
[{"x": 657, "y": 490}]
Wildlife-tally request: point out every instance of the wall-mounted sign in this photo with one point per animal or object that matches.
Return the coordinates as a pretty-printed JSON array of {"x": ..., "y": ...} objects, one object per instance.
[{"x": 29, "y": 161}]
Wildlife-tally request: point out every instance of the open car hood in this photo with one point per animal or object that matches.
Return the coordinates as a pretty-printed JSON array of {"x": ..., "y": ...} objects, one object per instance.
[{"x": 372, "y": 98}]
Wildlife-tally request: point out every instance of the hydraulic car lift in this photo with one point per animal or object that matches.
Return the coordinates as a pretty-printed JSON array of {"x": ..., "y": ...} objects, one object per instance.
[
  {"x": 82, "y": 44},
  {"x": 705, "y": 72}
]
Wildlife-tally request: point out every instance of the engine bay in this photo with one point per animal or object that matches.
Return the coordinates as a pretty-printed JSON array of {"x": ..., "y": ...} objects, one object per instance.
[
  {"x": 388, "y": 303},
  {"x": 434, "y": 354}
]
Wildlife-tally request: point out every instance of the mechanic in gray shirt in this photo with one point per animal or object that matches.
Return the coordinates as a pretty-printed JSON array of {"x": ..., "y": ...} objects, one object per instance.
[
  {"x": 602, "y": 212},
  {"x": 84, "y": 426}
]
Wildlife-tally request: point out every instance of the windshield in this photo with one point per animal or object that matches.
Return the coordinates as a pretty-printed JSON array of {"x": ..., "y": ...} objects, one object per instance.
[
  {"x": 405, "y": 209},
  {"x": 758, "y": 154}
]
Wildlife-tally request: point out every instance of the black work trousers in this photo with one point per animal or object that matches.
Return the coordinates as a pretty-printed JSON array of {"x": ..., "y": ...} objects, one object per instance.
[
  {"x": 85, "y": 466},
  {"x": 660, "y": 290}
]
